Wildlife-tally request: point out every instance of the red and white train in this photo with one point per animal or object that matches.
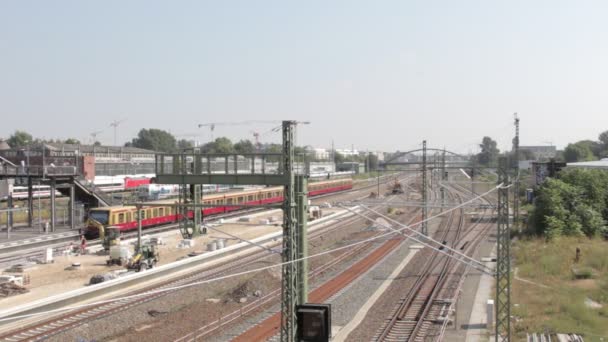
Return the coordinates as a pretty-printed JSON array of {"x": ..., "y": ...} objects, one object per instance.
[{"x": 161, "y": 212}]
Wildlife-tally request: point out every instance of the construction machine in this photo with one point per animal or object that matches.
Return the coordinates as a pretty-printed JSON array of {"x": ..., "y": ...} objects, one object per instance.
[
  {"x": 145, "y": 258},
  {"x": 397, "y": 188}
]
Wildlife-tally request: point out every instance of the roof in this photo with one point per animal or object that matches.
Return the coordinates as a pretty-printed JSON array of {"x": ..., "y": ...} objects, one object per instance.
[
  {"x": 59, "y": 147},
  {"x": 4, "y": 145},
  {"x": 596, "y": 164}
]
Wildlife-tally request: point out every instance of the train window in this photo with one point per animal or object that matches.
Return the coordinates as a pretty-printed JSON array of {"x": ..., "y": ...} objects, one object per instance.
[
  {"x": 161, "y": 211},
  {"x": 155, "y": 212},
  {"x": 268, "y": 195},
  {"x": 148, "y": 213},
  {"x": 228, "y": 200},
  {"x": 121, "y": 218},
  {"x": 240, "y": 199},
  {"x": 250, "y": 198},
  {"x": 129, "y": 216},
  {"x": 143, "y": 214},
  {"x": 169, "y": 210}
]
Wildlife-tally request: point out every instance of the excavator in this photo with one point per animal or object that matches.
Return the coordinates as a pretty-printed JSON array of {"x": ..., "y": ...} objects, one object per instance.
[
  {"x": 397, "y": 187},
  {"x": 146, "y": 257}
]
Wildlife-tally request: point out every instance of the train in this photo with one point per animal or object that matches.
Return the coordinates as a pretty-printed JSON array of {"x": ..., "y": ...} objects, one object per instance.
[
  {"x": 123, "y": 218},
  {"x": 38, "y": 191},
  {"x": 153, "y": 192},
  {"x": 121, "y": 182},
  {"x": 103, "y": 183}
]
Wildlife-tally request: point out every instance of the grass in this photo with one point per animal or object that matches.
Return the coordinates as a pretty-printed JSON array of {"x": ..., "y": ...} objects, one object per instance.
[{"x": 561, "y": 307}]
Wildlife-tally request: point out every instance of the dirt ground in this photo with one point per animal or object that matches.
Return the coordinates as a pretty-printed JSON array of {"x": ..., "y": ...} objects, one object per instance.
[{"x": 56, "y": 278}]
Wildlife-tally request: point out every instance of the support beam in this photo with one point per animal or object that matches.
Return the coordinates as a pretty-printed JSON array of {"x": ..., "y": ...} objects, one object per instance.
[
  {"x": 72, "y": 206},
  {"x": 30, "y": 201},
  {"x": 516, "y": 225},
  {"x": 302, "y": 204},
  {"x": 424, "y": 228},
  {"x": 139, "y": 218},
  {"x": 503, "y": 258},
  {"x": 444, "y": 178},
  {"x": 289, "y": 288},
  {"x": 198, "y": 217},
  {"x": 53, "y": 204}
]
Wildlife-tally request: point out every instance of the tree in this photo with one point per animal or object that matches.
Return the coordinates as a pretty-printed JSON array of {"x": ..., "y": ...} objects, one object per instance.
[
  {"x": 339, "y": 158},
  {"x": 72, "y": 141},
  {"x": 574, "y": 204},
  {"x": 97, "y": 143},
  {"x": 580, "y": 151},
  {"x": 154, "y": 139},
  {"x": 489, "y": 151},
  {"x": 19, "y": 139},
  {"x": 220, "y": 145},
  {"x": 603, "y": 138},
  {"x": 184, "y": 144},
  {"x": 244, "y": 146}
]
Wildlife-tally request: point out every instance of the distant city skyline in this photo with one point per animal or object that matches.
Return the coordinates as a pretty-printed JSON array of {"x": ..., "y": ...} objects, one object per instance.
[{"x": 376, "y": 75}]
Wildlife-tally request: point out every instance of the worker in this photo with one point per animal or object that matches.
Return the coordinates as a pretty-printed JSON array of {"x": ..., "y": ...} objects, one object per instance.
[
  {"x": 577, "y": 258},
  {"x": 83, "y": 245}
]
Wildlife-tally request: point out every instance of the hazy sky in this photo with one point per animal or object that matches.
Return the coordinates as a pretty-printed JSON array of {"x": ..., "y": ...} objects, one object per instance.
[{"x": 376, "y": 74}]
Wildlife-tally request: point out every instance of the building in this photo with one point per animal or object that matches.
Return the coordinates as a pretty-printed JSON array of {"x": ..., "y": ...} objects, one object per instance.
[
  {"x": 596, "y": 164},
  {"x": 347, "y": 152},
  {"x": 321, "y": 154},
  {"x": 541, "y": 152},
  {"x": 90, "y": 160}
]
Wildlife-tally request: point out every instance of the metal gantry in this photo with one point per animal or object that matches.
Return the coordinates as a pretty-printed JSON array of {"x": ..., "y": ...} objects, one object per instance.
[
  {"x": 191, "y": 170},
  {"x": 503, "y": 257}
]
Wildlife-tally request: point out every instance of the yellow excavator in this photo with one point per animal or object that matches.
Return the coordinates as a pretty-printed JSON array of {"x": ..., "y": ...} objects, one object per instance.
[{"x": 145, "y": 258}]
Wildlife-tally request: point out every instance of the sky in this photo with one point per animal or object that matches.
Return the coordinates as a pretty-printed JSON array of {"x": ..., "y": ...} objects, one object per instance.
[{"x": 376, "y": 75}]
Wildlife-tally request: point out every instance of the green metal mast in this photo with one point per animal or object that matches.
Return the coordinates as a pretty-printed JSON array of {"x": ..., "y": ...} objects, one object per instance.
[
  {"x": 302, "y": 204},
  {"x": 424, "y": 193},
  {"x": 191, "y": 170},
  {"x": 444, "y": 177},
  {"x": 503, "y": 257},
  {"x": 289, "y": 295}
]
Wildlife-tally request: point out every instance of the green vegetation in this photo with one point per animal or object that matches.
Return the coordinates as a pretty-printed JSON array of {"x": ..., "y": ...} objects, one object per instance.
[
  {"x": 574, "y": 204},
  {"x": 489, "y": 152},
  {"x": 21, "y": 139},
  {"x": 560, "y": 305},
  {"x": 586, "y": 150}
]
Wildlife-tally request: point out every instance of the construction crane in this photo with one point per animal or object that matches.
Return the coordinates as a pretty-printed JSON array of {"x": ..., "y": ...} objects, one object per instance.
[
  {"x": 212, "y": 125},
  {"x": 115, "y": 124},
  {"x": 256, "y": 136}
]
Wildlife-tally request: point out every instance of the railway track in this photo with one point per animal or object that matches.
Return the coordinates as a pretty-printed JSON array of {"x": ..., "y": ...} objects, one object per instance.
[
  {"x": 430, "y": 299},
  {"x": 405, "y": 322},
  {"x": 53, "y": 326},
  {"x": 270, "y": 326}
]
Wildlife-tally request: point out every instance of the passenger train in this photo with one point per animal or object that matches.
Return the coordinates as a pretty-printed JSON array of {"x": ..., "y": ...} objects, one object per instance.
[
  {"x": 161, "y": 212},
  {"x": 103, "y": 183}
]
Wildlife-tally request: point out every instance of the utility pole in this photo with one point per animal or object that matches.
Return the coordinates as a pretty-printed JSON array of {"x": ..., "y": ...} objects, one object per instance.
[
  {"x": 516, "y": 188},
  {"x": 424, "y": 194},
  {"x": 503, "y": 257}
]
